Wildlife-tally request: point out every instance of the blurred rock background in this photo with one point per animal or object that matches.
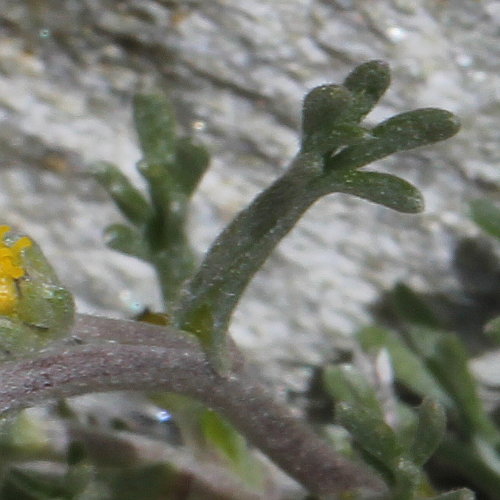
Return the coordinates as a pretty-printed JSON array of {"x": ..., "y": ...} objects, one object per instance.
[{"x": 236, "y": 71}]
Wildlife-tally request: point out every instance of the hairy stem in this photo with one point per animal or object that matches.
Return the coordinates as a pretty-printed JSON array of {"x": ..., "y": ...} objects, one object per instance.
[{"x": 127, "y": 355}]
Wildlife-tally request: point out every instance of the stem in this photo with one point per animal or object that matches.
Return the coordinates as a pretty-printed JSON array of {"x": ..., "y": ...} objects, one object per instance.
[
  {"x": 175, "y": 363},
  {"x": 241, "y": 249}
]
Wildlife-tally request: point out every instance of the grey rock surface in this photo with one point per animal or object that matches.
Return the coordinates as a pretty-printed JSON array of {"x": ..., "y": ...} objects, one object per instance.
[{"x": 236, "y": 71}]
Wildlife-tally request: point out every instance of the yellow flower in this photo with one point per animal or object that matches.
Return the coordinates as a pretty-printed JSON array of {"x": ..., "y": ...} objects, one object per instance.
[{"x": 11, "y": 269}]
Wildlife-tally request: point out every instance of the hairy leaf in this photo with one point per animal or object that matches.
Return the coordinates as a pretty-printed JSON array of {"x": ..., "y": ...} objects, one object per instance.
[
  {"x": 128, "y": 199},
  {"x": 192, "y": 160},
  {"x": 384, "y": 189},
  {"x": 323, "y": 106},
  {"x": 399, "y": 133},
  {"x": 126, "y": 240},
  {"x": 345, "y": 384},
  {"x": 367, "y": 83},
  {"x": 429, "y": 432},
  {"x": 486, "y": 215},
  {"x": 370, "y": 432},
  {"x": 155, "y": 125}
]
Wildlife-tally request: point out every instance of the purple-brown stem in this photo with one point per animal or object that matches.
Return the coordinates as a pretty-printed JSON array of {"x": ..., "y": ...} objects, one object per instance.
[{"x": 125, "y": 355}]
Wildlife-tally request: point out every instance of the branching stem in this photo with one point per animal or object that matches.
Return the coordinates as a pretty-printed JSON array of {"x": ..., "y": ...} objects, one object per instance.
[{"x": 125, "y": 355}]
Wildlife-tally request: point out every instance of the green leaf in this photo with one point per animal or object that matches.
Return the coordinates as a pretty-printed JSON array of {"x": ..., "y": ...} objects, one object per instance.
[
  {"x": 384, "y": 189},
  {"x": 487, "y": 450},
  {"x": 411, "y": 308},
  {"x": 322, "y": 108},
  {"x": 370, "y": 432},
  {"x": 417, "y": 128},
  {"x": 430, "y": 430},
  {"x": 492, "y": 329},
  {"x": 221, "y": 434},
  {"x": 367, "y": 83},
  {"x": 126, "y": 240},
  {"x": 399, "y": 133},
  {"x": 448, "y": 360},
  {"x": 164, "y": 480},
  {"x": 450, "y": 363},
  {"x": 461, "y": 494},
  {"x": 460, "y": 456},
  {"x": 346, "y": 384},
  {"x": 44, "y": 484},
  {"x": 409, "y": 369},
  {"x": 166, "y": 226},
  {"x": 486, "y": 215},
  {"x": 407, "y": 478},
  {"x": 128, "y": 199},
  {"x": 155, "y": 125},
  {"x": 192, "y": 160}
]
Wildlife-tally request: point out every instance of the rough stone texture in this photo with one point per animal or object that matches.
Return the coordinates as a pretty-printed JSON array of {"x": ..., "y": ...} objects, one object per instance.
[{"x": 236, "y": 71}]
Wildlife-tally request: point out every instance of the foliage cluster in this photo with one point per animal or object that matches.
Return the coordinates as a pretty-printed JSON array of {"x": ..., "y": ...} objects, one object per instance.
[{"x": 385, "y": 448}]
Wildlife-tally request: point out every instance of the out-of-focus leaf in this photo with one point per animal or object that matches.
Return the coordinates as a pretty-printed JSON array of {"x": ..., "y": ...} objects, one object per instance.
[
  {"x": 128, "y": 199},
  {"x": 30, "y": 483},
  {"x": 411, "y": 308},
  {"x": 162, "y": 188},
  {"x": 429, "y": 432},
  {"x": 461, "y": 494},
  {"x": 486, "y": 215},
  {"x": 407, "y": 478},
  {"x": 223, "y": 435},
  {"x": 409, "y": 369},
  {"x": 126, "y": 240},
  {"x": 367, "y": 83},
  {"x": 384, "y": 189},
  {"x": 192, "y": 160},
  {"x": 155, "y": 125},
  {"x": 371, "y": 433},
  {"x": 488, "y": 452},
  {"x": 151, "y": 481},
  {"x": 465, "y": 460},
  {"x": 399, "y": 133},
  {"x": 448, "y": 361},
  {"x": 492, "y": 329},
  {"x": 347, "y": 385},
  {"x": 219, "y": 433},
  {"x": 24, "y": 434}
]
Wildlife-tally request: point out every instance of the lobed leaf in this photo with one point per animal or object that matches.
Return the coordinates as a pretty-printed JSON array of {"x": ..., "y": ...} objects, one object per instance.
[
  {"x": 399, "y": 133},
  {"x": 409, "y": 369},
  {"x": 126, "y": 240},
  {"x": 461, "y": 494},
  {"x": 367, "y": 84},
  {"x": 346, "y": 384},
  {"x": 322, "y": 108},
  {"x": 191, "y": 162},
  {"x": 492, "y": 329},
  {"x": 384, "y": 189},
  {"x": 410, "y": 308},
  {"x": 446, "y": 357},
  {"x": 431, "y": 426},
  {"x": 128, "y": 199},
  {"x": 155, "y": 125},
  {"x": 407, "y": 478},
  {"x": 487, "y": 216},
  {"x": 371, "y": 433}
]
